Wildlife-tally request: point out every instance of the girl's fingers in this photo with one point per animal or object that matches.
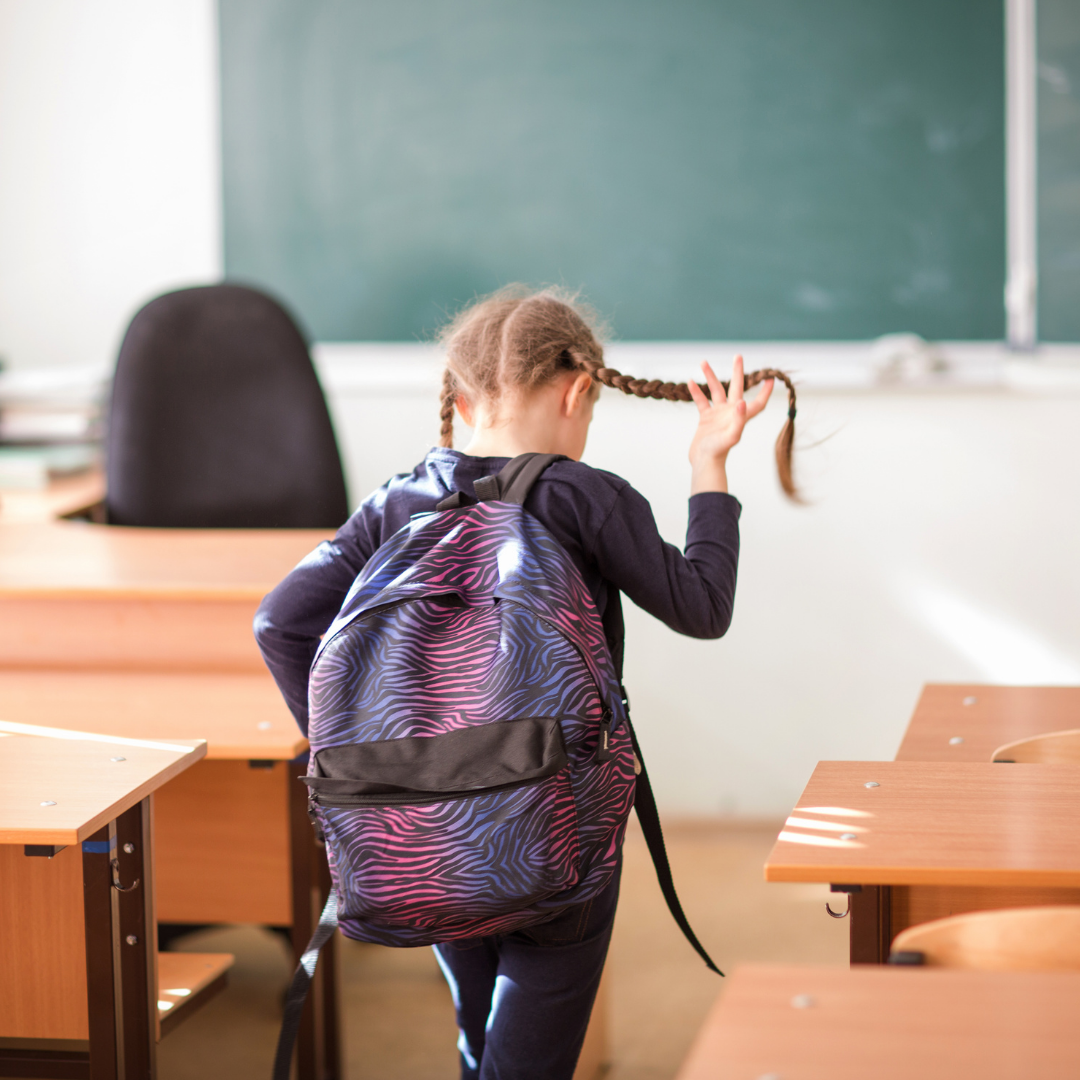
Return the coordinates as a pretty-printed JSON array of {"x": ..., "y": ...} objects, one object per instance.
[
  {"x": 736, "y": 391},
  {"x": 716, "y": 387},
  {"x": 700, "y": 400},
  {"x": 761, "y": 400}
]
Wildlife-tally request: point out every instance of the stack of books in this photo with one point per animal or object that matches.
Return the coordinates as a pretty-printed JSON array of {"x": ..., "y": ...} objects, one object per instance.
[{"x": 50, "y": 425}]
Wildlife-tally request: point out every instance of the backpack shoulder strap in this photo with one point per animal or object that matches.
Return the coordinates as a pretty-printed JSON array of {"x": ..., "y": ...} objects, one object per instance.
[
  {"x": 297, "y": 993},
  {"x": 516, "y": 479},
  {"x": 649, "y": 819}
]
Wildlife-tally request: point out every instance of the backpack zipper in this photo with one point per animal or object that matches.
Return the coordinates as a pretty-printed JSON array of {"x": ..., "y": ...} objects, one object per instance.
[
  {"x": 418, "y": 798},
  {"x": 603, "y": 747}
]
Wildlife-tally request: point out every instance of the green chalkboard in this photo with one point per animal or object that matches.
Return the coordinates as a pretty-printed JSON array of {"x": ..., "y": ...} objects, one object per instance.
[
  {"x": 702, "y": 169},
  {"x": 1059, "y": 170}
]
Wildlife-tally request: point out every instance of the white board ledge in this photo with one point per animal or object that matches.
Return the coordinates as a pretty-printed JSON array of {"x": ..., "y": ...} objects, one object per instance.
[
  {"x": 406, "y": 368},
  {"x": 888, "y": 365}
]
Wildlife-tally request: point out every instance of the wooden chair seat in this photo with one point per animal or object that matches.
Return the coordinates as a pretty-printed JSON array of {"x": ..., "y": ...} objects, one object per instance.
[
  {"x": 1053, "y": 748},
  {"x": 1018, "y": 939}
]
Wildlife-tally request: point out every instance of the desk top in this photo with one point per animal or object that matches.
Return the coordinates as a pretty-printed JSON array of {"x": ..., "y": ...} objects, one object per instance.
[
  {"x": 240, "y": 715},
  {"x": 62, "y": 789},
  {"x": 65, "y": 495},
  {"x": 929, "y": 823},
  {"x": 891, "y": 1024},
  {"x": 984, "y": 718},
  {"x": 73, "y": 559}
]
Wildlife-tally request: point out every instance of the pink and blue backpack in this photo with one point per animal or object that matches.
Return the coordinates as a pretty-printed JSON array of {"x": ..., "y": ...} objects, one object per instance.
[{"x": 472, "y": 762}]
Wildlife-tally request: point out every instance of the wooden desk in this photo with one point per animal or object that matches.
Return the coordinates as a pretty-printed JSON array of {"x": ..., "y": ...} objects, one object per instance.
[
  {"x": 890, "y": 1024},
  {"x": 928, "y": 824},
  {"x": 78, "y": 983},
  {"x": 968, "y": 722},
  {"x": 234, "y": 842},
  {"x": 148, "y": 632},
  {"x": 92, "y": 596}
]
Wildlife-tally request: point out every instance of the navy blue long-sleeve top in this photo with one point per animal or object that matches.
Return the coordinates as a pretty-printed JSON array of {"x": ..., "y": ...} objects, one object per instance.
[{"x": 605, "y": 525}]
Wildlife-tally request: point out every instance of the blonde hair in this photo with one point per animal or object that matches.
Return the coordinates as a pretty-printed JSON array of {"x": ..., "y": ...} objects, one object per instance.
[{"x": 522, "y": 338}]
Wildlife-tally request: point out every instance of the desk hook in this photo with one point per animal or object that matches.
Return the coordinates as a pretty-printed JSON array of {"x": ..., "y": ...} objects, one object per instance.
[
  {"x": 115, "y": 864},
  {"x": 839, "y": 914}
]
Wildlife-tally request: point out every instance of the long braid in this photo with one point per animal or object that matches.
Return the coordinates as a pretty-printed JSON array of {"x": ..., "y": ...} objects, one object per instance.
[
  {"x": 446, "y": 408},
  {"x": 670, "y": 391}
]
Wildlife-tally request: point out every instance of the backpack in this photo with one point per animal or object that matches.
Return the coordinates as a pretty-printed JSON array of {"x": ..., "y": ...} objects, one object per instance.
[{"x": 472, "y": 763}]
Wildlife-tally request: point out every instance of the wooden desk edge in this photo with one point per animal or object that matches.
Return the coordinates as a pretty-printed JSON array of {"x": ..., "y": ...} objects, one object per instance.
[
  {"x": 252, "y": 752},
  {"x": 69, "y": 837},
  {"x": 172, "y": 591},
  {"x": 930, "y": 875}
]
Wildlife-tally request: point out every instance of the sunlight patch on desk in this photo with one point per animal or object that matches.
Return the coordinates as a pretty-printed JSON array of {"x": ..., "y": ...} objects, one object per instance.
[
  {"x": 12, "y": 728},
  {"x": 1002, "y": 650},
  {"x": 824, "y": 826},
  {"x": 833, "y": 811},
  {"x": 819, "y": 841}
]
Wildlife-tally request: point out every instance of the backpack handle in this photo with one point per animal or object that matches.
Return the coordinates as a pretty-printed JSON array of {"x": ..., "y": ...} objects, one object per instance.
[{"x": 514, "y": 482}]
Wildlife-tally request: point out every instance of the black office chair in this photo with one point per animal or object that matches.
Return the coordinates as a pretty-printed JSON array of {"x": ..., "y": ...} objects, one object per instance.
[{"x": 217, "y": 419}]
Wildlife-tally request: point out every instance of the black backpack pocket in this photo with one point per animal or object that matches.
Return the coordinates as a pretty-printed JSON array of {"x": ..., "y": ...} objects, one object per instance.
[{"x": 467, "y": 761}]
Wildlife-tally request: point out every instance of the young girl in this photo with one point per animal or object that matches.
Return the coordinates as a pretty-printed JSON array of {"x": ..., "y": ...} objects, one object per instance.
[{"x": 524, "y": 370}]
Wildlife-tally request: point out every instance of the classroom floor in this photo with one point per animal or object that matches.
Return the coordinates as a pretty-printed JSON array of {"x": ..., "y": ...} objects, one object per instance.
[{"x": 398, "y": 1018}]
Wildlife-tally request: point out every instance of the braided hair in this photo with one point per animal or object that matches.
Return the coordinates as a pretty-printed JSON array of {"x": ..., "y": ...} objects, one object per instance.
[{"x": 521, "y": 338}]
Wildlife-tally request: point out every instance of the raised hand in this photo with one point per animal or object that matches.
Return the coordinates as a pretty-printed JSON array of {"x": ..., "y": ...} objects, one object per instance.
[{"x": 720, "y": 425}]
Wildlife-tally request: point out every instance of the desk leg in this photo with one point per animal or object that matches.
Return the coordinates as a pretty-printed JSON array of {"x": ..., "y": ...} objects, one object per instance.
[
  {"x": 121, "y": 982},
  {"x": 871, "y": 924},
  {"x": 138, "y": 952},
  {"x": 102, "y": 946},
  {"x": 317, "y": 1044}
]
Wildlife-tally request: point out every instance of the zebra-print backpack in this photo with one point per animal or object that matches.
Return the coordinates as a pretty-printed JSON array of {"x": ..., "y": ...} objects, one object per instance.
[{"x": 472, "y": 762}]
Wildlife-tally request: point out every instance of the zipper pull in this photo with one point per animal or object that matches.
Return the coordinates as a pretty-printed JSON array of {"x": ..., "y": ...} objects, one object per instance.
[
  {"x": 313, "y": 817},
  {"x": 603, "y": 746}
]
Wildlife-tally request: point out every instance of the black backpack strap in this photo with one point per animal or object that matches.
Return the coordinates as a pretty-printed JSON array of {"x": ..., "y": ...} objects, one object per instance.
[
  {"x": 649, "y": 818},
  {"x": 456, "y": 501},
  {"x": 512, "y": 484},
  {"x": 516, "y": 479},
  {"x": 300, "y": 985}
]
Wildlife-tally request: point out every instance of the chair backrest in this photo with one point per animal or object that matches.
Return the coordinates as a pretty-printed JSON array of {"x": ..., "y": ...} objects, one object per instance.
[
  {"x": 1053, "y": 748},
  {"x": 1015, "y": 939},
  {"x": 217, "y": 419}
]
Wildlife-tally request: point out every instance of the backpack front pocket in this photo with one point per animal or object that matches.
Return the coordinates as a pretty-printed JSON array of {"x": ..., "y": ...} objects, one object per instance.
[{"x": 469, "y": 824}]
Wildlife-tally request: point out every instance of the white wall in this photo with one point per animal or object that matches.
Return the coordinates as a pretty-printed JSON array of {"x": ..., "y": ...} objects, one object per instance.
[
  {"x": 938, "y": 544},
  {"x": 109, "y": 174}
]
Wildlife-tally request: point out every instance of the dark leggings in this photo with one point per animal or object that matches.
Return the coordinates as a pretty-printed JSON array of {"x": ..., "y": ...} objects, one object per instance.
[{"x": 523, "y": 1000}]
